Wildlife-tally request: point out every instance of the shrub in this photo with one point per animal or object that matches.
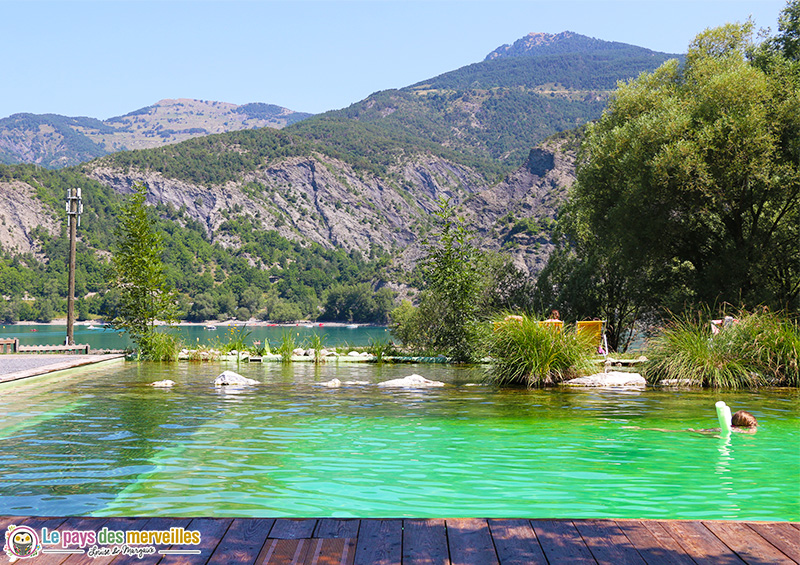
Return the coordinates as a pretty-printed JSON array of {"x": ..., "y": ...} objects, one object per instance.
[
  {"x": 757, "y": 349},
  {"x": 527, "y": 352}
]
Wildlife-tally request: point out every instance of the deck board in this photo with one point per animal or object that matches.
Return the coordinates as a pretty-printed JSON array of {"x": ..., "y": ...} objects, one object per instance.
[
  {"x": 516, "y": 543},
  {"x": 425, "y": 542},
  {"x": 461, "y": 541}
]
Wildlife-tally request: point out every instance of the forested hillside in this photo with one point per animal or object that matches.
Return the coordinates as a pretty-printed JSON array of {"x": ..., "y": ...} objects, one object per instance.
[{"x": 325, "y": 217}]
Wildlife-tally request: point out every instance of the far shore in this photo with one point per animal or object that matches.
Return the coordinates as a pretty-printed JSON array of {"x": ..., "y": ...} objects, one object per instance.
[{"x": 225, "y": 323}]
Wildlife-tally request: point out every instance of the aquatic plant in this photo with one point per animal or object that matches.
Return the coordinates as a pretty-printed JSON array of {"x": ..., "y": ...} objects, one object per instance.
[
  {"x": 754, "y": 349},
  {"x": 524, "y": 351},
  {"x": 286, "y": 347},
  {"x": 316, "y": 342},
  {"x": 160, "y": 346},
  {"x": 380, "y": 348}
]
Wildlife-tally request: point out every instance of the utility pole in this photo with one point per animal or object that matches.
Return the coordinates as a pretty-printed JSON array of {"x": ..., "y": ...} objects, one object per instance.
[{"x": 74, "y": 210}]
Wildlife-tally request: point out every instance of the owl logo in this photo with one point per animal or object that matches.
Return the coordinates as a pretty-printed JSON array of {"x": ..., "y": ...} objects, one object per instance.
[{"x": 22, "y": 543}]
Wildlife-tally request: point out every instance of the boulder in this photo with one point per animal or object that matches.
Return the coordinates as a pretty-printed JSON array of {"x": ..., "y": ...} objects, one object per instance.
[
  {"x": 229, "y": 378},
  {"x": 333, "y": 383},
  {"x": 411, "y": 381},
  {"x": 299, "y": 352},
  {"x": 610, "y": 379},
  {"x": 163, "y": 384}
]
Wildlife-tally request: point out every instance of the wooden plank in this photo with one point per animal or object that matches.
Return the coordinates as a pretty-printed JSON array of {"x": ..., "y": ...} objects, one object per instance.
[
  {"x": 71, "y": 524},
  {"x": 748, "y": 545},
  {"x": 153, "y": 524},
  {"x": 337, "y": 528},
  {"x": 655, "y": 550},
  {"x": 331, "y": 551},
  {"x": 379, "y": 542},
  {"x": 700, "y": 543},
  {"x": 425, "y": 542},
  {"x": 470, "y": 542},
  {"x": 516, "y": 543},
  {"x": 284, "y": 552},
  {"x": 113, "y": 524},
  {"x": 607, "y": 543},
  {"x": 242, "y": 542},
  {"x": 211, "y": 531},
  {"x": 561, "y": 542},
  {"x": 782, "y": 535},
  {"x": 286, "y": 528}
]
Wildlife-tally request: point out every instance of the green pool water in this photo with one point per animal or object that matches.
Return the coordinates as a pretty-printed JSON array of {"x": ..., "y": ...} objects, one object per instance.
[{"x": 103, "y": 442}]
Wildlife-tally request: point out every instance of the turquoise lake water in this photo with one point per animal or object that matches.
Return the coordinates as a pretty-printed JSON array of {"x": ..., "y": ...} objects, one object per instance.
[
  {"x": 101, "y": 441},
  {"x": 109, "y": 339}
]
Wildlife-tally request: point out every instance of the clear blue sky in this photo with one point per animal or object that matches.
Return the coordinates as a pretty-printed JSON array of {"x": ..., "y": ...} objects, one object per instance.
[{"x": 107, "y": 58}]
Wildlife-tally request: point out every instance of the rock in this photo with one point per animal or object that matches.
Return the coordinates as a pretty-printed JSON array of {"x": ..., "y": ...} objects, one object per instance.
[
  {"x": 310, "y": 353},
  {"x": 163, "y": 384},
  {"x": 354, "y": 354},
  {"x": 299, "y": 352},
  {"x": 610, "y": 379},
  {"x": 411, "y": 381},
  {"x": 333, "y": 383},
  {"x": 229, "y": 378}
]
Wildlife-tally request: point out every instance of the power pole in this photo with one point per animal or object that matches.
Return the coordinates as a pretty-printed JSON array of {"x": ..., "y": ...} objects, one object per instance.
[{"x": 74, "y": 210}]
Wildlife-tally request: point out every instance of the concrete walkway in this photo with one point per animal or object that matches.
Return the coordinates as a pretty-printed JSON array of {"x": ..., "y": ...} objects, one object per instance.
[{"x": 20, "y": 366}]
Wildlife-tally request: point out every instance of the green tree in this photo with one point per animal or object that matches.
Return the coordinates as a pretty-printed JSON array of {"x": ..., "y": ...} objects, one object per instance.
[
  {"x": 688, "y": 187},
  {"x": 450, "y": 300},
  {"x": 144, "y": 295}
]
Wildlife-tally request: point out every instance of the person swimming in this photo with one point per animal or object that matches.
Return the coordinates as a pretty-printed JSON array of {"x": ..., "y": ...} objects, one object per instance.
[{"x": 742, "y": 422}]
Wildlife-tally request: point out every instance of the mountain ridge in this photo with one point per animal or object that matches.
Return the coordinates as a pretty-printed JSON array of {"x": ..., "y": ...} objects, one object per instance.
[{"x": 55, "y": 141}]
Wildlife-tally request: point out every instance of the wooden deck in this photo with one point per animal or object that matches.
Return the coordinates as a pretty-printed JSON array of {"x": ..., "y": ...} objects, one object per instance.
[{"x": 438, "y": 541}]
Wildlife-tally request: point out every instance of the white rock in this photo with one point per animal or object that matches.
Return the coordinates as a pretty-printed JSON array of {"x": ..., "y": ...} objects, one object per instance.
[
  {"x": 354, "y": 354},
  {"x": 163, "y": 384},
  {"x": 411, "y": 381},
  {"x": 299, "y": 352},
  {"x": 333, "y": 383},
  {"x": 229, "y": 378},
  {"x": 610, "y": 379}
]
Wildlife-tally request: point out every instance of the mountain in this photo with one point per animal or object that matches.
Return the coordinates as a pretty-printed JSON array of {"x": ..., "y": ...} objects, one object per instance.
[
  {"x": 340, "y": 198},
  {"x": 56, "y": 141},
  {"x": 500, "y": 108}
]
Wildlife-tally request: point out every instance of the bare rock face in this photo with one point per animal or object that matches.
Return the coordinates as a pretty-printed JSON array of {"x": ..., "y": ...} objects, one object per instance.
[
  {"x": 20, "y": 212},
  {"x": 314, "y": 199},
  {"x": 502, "y": 214}
]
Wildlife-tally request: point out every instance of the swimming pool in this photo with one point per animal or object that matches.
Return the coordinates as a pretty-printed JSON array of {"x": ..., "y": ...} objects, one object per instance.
[{"x": 103, "y": 442}]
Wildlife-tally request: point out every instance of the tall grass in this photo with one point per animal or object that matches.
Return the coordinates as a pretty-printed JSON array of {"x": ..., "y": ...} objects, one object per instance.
[
  {"x": 527, "y": 352},
  {"x": 161, "y": 346},
  {"x": 316, "y": 342},
  {"x": 760, "y": 348},
  {"x": 287, "y": 345}
]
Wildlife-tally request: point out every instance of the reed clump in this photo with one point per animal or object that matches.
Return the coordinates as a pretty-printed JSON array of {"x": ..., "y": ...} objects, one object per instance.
[
  {"x": 752, "y": 349},
  {"x": 526, "y": 352}
]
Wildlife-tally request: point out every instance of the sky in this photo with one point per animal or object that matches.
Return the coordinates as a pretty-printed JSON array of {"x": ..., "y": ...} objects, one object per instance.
[{"x": 105, "y": 58}]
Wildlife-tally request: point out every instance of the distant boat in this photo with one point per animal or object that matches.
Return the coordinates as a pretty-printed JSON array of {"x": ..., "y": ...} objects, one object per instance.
[
  {"x": 94, "y": 327},
  {"x": 34, "y": 330},
  {"x": 352, "y": 326},
  {"x": 309, "y": 325},
  {"x": 211, "y": 328}
]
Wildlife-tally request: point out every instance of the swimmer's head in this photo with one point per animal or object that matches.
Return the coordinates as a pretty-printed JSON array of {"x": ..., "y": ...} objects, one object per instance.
[{"x": 742, "y": 419}]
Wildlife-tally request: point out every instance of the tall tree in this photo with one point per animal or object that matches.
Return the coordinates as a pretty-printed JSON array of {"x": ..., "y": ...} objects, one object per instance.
[
  {"x": 688, "y": 187},
  {"x": 139, "y": 275}
]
